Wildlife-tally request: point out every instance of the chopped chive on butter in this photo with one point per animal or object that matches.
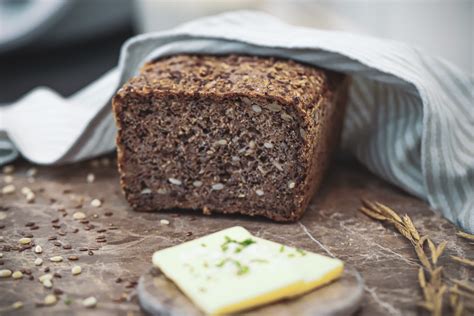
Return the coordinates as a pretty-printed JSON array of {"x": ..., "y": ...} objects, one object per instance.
[
  {"x": 241, "y": 244},
  {"x": 301, "y": 251},
  {"x": 236, "y": 277}
]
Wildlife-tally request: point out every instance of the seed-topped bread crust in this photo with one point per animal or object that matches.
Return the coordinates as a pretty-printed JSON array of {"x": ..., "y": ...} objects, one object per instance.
[{"x": 228, "y": 134}]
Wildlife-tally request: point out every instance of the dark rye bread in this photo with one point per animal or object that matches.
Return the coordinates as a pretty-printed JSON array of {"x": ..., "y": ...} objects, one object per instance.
[{"x": 228, "y": 134}]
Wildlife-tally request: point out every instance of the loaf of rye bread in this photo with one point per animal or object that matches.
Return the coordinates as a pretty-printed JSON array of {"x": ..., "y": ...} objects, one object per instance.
[{"x": 227, "y": 134}]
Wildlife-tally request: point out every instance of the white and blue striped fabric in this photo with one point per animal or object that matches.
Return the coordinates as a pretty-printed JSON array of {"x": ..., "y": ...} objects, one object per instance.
[{"x": 410, "y": 116}]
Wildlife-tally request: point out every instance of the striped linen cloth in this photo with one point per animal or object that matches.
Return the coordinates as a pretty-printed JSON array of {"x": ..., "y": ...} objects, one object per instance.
[{"x": 410, "y": 116}]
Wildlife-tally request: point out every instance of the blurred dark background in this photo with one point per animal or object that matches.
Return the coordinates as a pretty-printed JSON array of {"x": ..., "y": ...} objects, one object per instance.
[{"x": 66, "y": 44}]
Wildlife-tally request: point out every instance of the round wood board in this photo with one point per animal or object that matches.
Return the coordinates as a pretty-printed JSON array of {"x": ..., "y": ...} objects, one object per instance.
[{"x": 159, "y": 296}]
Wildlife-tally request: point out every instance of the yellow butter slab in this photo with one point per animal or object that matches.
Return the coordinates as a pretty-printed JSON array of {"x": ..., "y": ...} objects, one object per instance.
[{"x": 231, "y": 270}]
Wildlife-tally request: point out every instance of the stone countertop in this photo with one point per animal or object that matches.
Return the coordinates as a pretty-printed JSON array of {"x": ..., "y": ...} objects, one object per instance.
[{"x": 112, "y": 264}]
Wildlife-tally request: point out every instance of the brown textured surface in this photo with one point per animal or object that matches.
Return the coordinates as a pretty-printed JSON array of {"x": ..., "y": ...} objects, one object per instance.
[
  {"x": 279, "y": 122},
  {"x": 385, "y": 259}
]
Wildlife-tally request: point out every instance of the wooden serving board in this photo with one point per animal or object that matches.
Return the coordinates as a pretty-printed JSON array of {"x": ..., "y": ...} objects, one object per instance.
[{"x": 159, "y": 296}]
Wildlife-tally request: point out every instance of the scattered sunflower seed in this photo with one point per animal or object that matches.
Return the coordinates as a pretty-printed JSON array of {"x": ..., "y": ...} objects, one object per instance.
[
  {"x": 286, "y": 117},
  {"x": 221, "y": 142},
  {"x": 76, "y": 270},
  {"x": 17, "y": 305},
  {"x": 30, "y": 197},
  {"x": 5, "y": 273},
  {"x": 217, "y": 186},
  {"x": 17, "y": 275},
  {"x": 145, "y": 191},
  {"x": 25, "y": 190},
  {"x": 8, "y": 179},
  {"x": 50, "y": 299},
  {"x": 38, "y": 261},
  {"x": 79, "y": 215},
  {"x": 8, "y": 189},
  {"x": 302, "y": 133},
  {"x": 259, "y": 192},
  {"x": 45, "y": 277},
  {"x": 274, "y": 107},
  {"x": 38, "y": 249},
  {"x": 47, "y": 283},
  {"x": 32, "y": 172},
  {"x": 256, "y": 108},
  {"x": 164, "y": 222},
  {"x": 96, "y": 203},
  {"x": 291, "y": 184},
  {"x": 197, "y": 184},
  {"x": 25, "y": 241},
  {"x": 8, "y": 169},
  {"x": 56, "y": 259},
  {"x": 90, "y": 178},
  {"x": 162, "y": 191},
  {"x": 174, "y": 181},
  {"x": 89, "y": 302}
]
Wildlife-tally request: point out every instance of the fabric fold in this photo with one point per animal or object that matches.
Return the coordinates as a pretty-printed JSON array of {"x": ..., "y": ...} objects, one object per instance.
[{"x": 410, "y": 116}]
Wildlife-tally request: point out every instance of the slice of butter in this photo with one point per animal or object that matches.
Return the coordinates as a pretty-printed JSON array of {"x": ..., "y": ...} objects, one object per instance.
[{"x": 231, "y": 270}]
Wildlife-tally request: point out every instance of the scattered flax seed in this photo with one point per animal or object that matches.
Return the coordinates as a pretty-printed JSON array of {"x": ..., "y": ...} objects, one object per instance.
[
  {"x": 78, "y": 215},
  {"x": 17, "y": 305},
  {"x": 17, "y": 275},
  {"x": 89, "y": 302},
  {"x": 73, "y": 258},
  {"x": 25, "y": 241},
  {"x": 90, "y": 178},
  {"x": 291, "y": 184},
  {"x": 217, "y": 186},
  {"x": 268, "y": 145},
  {"x": 174, "y": 181},
  {"x": 50, "y": 299},
  {"x": 32, "y": 172},
  {"x": 108, "y": 213},
  {"x": 8, "y": 169},
  {"x": 197, "y": 184},
  {"x": 76, "y": 270},
  {"x": 56, "y": 259},
  {"x": 38, "y": 261},
  {"x": 8, "y": 189},
  {"x": 5, "y": 273},
  {"x": 164, "y": 222},
  {"x": 96, "y": 203},
  {"x": 259, "y": 192},
  {"x": 256, "y": 108}
]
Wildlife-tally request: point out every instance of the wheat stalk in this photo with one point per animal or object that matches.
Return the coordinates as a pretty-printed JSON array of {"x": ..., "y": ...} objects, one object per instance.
[
  {"x": 465, "y": 235},
  {"x": 433, "y": 287}
]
